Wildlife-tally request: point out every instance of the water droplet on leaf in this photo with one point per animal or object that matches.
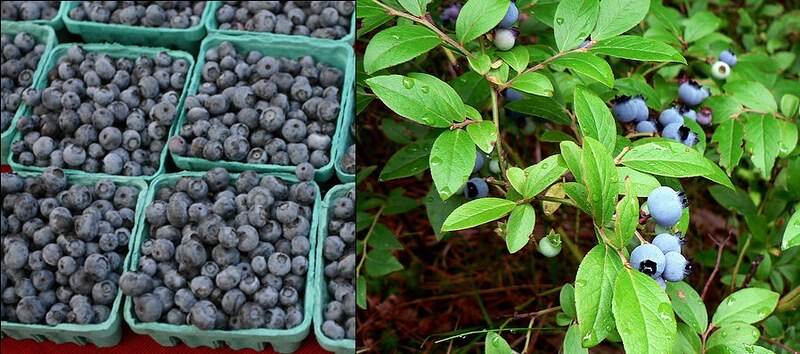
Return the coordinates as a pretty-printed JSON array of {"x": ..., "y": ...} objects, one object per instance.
[
  {"x": 560, "y": 20},
  {"x": 408, "y": 82}
]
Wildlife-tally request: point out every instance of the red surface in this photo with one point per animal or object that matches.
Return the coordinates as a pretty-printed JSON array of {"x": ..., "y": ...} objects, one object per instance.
[{"x": 133, "y": 343}]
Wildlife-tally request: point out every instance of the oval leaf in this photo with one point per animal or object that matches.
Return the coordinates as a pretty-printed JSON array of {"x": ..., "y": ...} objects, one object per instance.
[
  {"x": 574, "y": 20},
  {"x": 520, "y": 227},
  {"x": 415, "y": 7},
  {"x": 516, "y": 176},
  {"x": 477, "y": 212},
  {"x": 516, "y": 58},
  {"x": 397, "y": 45},
  {"x": 739, "y": 349},
  {"x": 572, "y": 341},
  {"x": 594, "y": 117},
  {"x": 451, "y": 161},
  {"x": 419, "y": 97},
  {"x": 594, "y": 286},
  {"x": 495, "y": 344},
  {"x": 729, "y": 137},
  {"x": 643, "y": 314},
  {"x": 735, "y": 333},
  {"x": 599, "y": 177},
  {"x": 627, "y": 217},
  {"x": 747, "y": 305},
  {"x": 408, "y": 161},
  {"x": 673, "y": 159},
  {"x": 542, "y": 107},
  {"x": 761, "y": 134},
  {"x": 541, "y": 175},
  {"x": 618, "y": 16},
  {"x": 641, "y": 183},
  {"x": 688, "y": 305},
  {"x": 589, "y": 65},
  {"x": 483, "y": 134},
  {"x": 478, "y": 17},
  {"x": 687, "y": 341},
  {"x": 638, "y": 48},
  {"x": 533, "y": 83},
  {"x": 752, "y": 94},
  {"x": 791, "y": 237}
]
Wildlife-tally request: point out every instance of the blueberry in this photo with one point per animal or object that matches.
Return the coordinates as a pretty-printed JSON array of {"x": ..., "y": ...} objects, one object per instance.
[
  {"x": 704, "y": 116},
  {"x": 274, "y": 318},
  {"x": 728, "y": 57},
  {"x": 645, "y": 126},
  {"x": 666, "y": 205},
  {"x": 504, "y": 39},
  {"x": 279, "y": 264},
  {"x": 30, "y": 310},
  {"x": 676, "y": 267},
  {"x": 104, "y": 292},
  {"x": 670, "y": 116},
  {"x": 202, "y": 315},
  {"x": 332, "y": 330},
  {"x": 691, "y": 93},
  {"x": 720, "y": 70},
  {"x": 476, "y": 188},
  {"x": 148, "y": 307},
  {"x": 548, "y": 247},
  {"x": 668, "y": 243},
  {"x": 648, "y": 259},
  {"x": 628, "y": 109},
  {"x": 511, "y": 16}
]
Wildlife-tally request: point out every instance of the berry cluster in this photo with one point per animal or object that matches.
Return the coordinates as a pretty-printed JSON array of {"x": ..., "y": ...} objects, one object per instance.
[
  {"x": 20, "y": 56},
  {"x": 63, "y": 247},
  {"x": 340, "y": 267},
  {"x": 29, "y": 10},
  {"x": 662, "y": 258},
  {"x": 225, "y": 254},
  {"x": 320, "y": 19},
  {"x": 165, "y": 14},
  {"x": 348, "y": 160},
  {"x": 261, "y": 109},
  {"x": 102, "y": 114}
]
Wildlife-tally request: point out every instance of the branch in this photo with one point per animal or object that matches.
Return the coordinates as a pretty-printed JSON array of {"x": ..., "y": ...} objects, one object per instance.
[
  {"x": 739, "y": 261},
  {"x": 779, "y": 344},
  {"x": 536, "y": 313},
  {"x": 716, "y": 266},
  {"x": 366, "y": 240},
  {"x": 499, "y": 143},
  {"x": 544, "y": 63}
]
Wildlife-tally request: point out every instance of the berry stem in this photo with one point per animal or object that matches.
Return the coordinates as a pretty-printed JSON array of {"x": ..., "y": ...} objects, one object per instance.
[
  {"x": 499, "y": 142},
  {"x": 366, "y": 240}
]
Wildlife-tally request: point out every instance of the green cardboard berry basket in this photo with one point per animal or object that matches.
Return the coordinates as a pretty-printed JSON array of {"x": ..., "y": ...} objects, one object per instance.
[
  {"x": 339, "y": 55},
  {"x": 181, "y": 38},
  {"x": 345, "y": 140},
  {"x": 281, "y": 340},
  {"x": 108, "y": 333},
  {"x": 43, "y": 34},
  {"x": 212, "y": 27},
  {"x": 56, "y": 23},
  {"x": 115, "y": 51},
  {"x": 338, "y": 346}
]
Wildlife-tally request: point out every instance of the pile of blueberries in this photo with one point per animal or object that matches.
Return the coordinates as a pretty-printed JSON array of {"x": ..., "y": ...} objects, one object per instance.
[
  {"x": 320, "y": 19},
  {"x": 20, "y": 55},
  {"x": 63, "y": 247},
  {"x": 164, "y": 14},
  {"x": 225, "y": 254},
  {"x": 340, "y": 265},
  {"x": 348, "y": 161},
  {"x": 102, "y": 114},
  {"x": 662, "y": 259},
  {"x": 670, "y": 122},
  {"x": 29, "y": 10},
  {"x": 260, "y": 109}
]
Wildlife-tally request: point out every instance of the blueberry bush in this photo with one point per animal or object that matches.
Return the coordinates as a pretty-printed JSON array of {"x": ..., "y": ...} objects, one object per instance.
[{"x": 656, "y": 143}]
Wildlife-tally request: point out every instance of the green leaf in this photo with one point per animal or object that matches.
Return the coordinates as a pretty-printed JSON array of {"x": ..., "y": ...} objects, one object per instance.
[
  {"x": 594, "y": 117},
  {"x": 687, "y": 341},
  {"x": 480, "y": 63},
  {"x": 500, "y": 74},
  {"x": 477, "y": 212},
  {"x": 575, "y": 19},
  {"x": 753, "y": 95},
  {"x": 533, "y": 83},
  {"x": 589, "y": 65},
  {"x": 572, "y": 154},
  {"x": 438, "y": 210},
  {"x": 567, "y": 299},
  {"x": 788, "y": 137},
  {"x": 594, "y": 286},
  {"x": 688, "y": 305},
  {"x": 483, "y": 134},
  {"x": 702, "y": 23},
  {"x": 638, "y": 48},
  {"x": 381, "y": 262},
  {"x": 673, "y": 159},
  {"x": 478, "y": 17},
  {"x": 723, "y": 107},
  {"x": 729, "y": 137},
  {"x": 473, "y": 89},
  {"x": 636, "y": 85},
  {"x": 451, "y": 161},
  {"x": 618, "y": 16},
  {"x": 542, "y": 107},
  {"x": 415, "y": 7},
  {"x": 791, "y": 237},
  {"x": 734, "y": 200},
  {"x": 543, "y": 174},
  {"x": 516, "y": 58},
  {"x": 643, "y": 314},
  {"x": 495, "y": 344},
  {"x": 419, "y": 97},
  {"x": 516, "y": 176},
  {"x": 748, "y": 305},
  {"x": 398, "y": 44},
  {"x": 738, "y": 349},
  {"x": 572, "y": 341},
  {"x": 627, "y": 217},
  {"x": 641, "y": 183},
  {"x": 761, "y": 134},
  {"x": 408, "y": 161},
  {"x": 599, "y": 177},
  {"x": 361, "y": 293},
  {"x": 384, "y": 239},
  {"x": 789, "y": 105},
  {"x": 735, "y": 333},
  {"x": 577, "y": 192},
  {"x": 520, "y": 227}
]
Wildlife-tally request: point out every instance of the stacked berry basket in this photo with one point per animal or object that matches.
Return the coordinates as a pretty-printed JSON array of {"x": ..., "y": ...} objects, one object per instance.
[{"x": 170, "y": 187}]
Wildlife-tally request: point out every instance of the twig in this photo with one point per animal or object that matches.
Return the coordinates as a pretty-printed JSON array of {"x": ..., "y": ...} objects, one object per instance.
[
  {"x": 753, "y": 267},
  {"x": 716, "y": 266},
  {"x": 777, "y": 343},
  {"x": 789, "y": 301},
  {"x": 536, "y": 313},
  {"x": 739, "y": 261},
  {"x": 705, "y": 336},
  {"x": 639, "y": 236},
  {"x": 366, "y": 240},
  {"x": 498, "y": 144},
  {"x": 528, "y": 335},
  {"x": 618, "y": 159},
  {"x": 463, "y": 124}
]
